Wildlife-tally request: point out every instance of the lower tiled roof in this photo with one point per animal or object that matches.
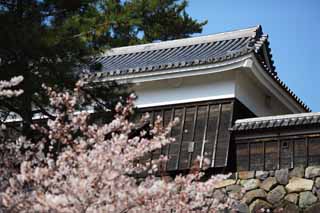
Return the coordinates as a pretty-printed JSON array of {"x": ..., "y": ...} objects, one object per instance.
[{"x": 276, "y": 121}]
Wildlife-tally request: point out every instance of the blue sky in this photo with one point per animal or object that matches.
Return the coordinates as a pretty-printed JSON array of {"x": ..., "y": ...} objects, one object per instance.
[{"x": 293, "y": 27}]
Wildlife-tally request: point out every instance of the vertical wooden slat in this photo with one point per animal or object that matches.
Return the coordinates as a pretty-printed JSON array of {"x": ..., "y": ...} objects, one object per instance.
[
  {"x": 204, "y": 135},
  {"x": 314, "y": 154},
  {"x": 181, "y": 136},
  {"x": 211, "y": 131},
  {"x": 256, "y": 154},
  {"x": 242, "y": 157},
  {"x": 216, "y": 138},
  {"x": 193, "y": 134},
  {"x": 175, "y": 146},
  {"x": 264, "y": 155},
  {"x": 168, "y": 148},
  {"x": 292, "y": 153},
  {"x": 279, "y": 157},
  {"x": 307, "y": 145},
  {"x": 271, "y": 155},
  {"x": 163, "y": 149},
  {"x": 156, "y": 153},
  {"x": 300, "y": 152},
  {"x": 199, "y": 130},
  {"x": 224, "y": 135},
  {"x": 187, "y": 144},
  {"x": 230, "y": 125},
  {"x": 249, "y": 157}
]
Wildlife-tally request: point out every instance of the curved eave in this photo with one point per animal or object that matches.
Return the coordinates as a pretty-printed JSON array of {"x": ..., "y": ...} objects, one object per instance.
[{"x": 278, "y": 88}]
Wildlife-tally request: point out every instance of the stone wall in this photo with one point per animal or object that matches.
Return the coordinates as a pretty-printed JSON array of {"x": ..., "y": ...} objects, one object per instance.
[{"x": 284, "y": 190}]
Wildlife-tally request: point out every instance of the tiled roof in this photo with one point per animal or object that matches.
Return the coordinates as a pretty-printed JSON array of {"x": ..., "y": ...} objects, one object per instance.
[
  {"x": 188, "y": 52},
  {"x": 181, "y": 52},
  {"x": 280, "y": 121}
]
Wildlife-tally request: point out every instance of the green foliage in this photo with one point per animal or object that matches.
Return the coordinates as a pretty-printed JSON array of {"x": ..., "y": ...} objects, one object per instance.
[{"x": 48, "y": 41}]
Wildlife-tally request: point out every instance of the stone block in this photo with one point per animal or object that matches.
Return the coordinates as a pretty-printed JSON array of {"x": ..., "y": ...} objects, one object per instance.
[
  {"x": 234, "y": 188},
  {"x": 312, "y": 171},
  {"x": 219, "y": 195},
  {"x": 254, "y": 194},
  {"x": 276, "y": 194},
  {"x": 282, "y": 176},
  {"x": 224, "y": 183},
  {"x": 297, "y": 172},
  {"x": 306, "y": 199},
  {"x": 315, "y": 208},
  {"x": 250, "y": 184},
  {"x": 292, "y": 198},
  {"x": 262, "y": 175},
  {"x": 317, "y": 182},
  {"x": 299, "y": 184},
  {"x": 242, "y": 208},
  {"x": 245, "y": 175},
  {"x": 258, "y": 204},
  {"x": 268, "y": 183},
  {"x": 287, "y": 207}
]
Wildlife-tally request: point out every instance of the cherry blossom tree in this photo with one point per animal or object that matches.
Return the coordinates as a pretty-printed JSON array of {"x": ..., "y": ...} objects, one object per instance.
[{"x": 82, "y": 167}]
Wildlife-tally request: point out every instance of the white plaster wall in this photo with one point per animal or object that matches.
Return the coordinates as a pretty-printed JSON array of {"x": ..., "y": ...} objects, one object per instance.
[
  {"x": 228, "y": 84},
  {"x": 254, "y": 95},
  {"x": 187, "y": 89}
]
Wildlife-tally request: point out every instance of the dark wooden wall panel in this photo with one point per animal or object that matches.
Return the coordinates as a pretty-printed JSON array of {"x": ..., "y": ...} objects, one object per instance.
[
  {"x": 286, "y": 154},
  {"x": 275, "y": 153},
  {"x": 300, "y": 152},
  {"x": 314, "y": 151},
  {"x": 256, "y": 156},
  {"x": 203, "y": 132},
  {"x": 271, "y": 155},
  {"x": 243, "y": 157}
]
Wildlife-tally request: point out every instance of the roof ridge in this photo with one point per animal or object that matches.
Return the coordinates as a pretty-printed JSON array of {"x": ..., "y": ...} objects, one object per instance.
[{"x": 246, "y": 32}]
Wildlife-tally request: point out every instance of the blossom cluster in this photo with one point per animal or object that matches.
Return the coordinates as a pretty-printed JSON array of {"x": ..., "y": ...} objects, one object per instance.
[
  {"x": 82, "y": 167},
  {"x": 5, "y": 87}
]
